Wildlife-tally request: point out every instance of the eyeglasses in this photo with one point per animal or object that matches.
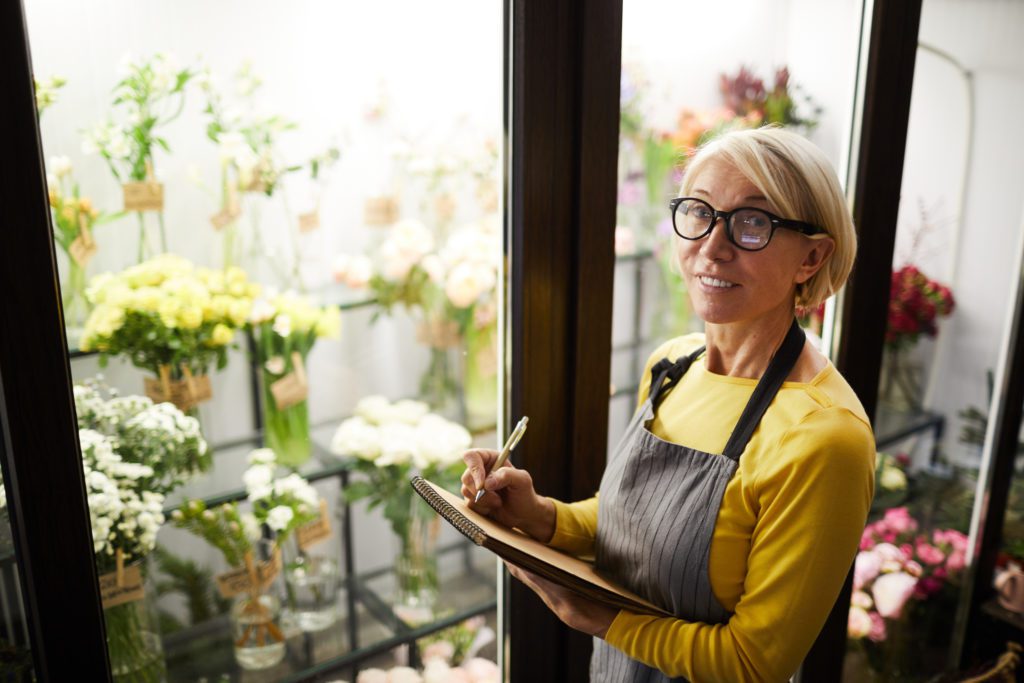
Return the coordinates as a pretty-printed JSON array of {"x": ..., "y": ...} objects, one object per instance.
[{"x": 747, "y": 228}]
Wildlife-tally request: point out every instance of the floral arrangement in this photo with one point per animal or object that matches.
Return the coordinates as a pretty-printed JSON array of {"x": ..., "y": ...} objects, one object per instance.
[
  {"x": 915, "y": 303},
  {"x": 475, "y": 670},
  {"x": 389, "y": 443},
  {"x": 899, "y": 573},
  {"x": 247, "y": 140},
  {"x": 457, "y": 644},
  {"x": 150, "y": 94},
  {"x": 46, "y": 92},
  {"x": 285, "y": 327},
  {"x": 167, "y": 316},
  {"x": 392, "y": 441},
  {"x": 459, "y": 277},
  {"x": 746, "y": 96}
]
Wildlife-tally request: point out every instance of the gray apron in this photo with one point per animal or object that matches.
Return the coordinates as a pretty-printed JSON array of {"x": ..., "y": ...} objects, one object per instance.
[{"x": 658, "y": 506}]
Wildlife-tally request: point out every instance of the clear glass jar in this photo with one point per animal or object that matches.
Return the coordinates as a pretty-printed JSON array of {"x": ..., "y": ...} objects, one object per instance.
[
  {"x": 259, "y": 639},
  {"x": 312, "y": 585}
]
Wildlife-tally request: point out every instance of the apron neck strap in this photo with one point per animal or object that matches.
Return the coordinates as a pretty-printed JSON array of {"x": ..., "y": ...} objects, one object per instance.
[
  {"x": 665, "y": 368},
  {"x": 764, "y": 393}
]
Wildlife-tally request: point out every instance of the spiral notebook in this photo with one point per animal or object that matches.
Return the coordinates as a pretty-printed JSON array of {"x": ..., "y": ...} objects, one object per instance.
[{"x": 521, "y": 550}]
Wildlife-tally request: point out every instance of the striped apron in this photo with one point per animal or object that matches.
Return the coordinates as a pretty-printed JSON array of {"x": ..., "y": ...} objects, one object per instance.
[{"x": 658, "y": 506}]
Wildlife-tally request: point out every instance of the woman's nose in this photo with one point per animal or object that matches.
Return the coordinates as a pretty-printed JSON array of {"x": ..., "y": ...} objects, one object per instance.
[{"x": 716, "y": 246}]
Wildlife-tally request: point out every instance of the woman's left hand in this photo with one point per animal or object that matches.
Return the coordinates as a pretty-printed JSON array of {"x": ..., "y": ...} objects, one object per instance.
[{"x": 573, "y": 609}]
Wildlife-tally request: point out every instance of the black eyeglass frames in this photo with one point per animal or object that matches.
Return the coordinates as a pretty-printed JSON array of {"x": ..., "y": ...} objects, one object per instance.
[{"x": 748, "y": 228}]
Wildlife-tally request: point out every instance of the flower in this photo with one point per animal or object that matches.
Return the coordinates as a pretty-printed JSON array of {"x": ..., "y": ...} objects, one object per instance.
[
  {"x": 279, "y": 517},
  {"x": 891, "y": 591},
  {"x": 915, "y": 302}
]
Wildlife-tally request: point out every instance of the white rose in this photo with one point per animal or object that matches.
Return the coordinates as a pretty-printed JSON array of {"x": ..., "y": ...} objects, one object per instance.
[
  {"x": 279, "y": 517},
  {"x": 407, "y": 411},
  {"x": 893, "y": 479},
  {"x": 398, "y": 445},
  {"x": 434, "y": 267},
  {"x": 374, "y": 409},
  {"x": 467, "y": 281},
  {"x": 356, "y": 436}
]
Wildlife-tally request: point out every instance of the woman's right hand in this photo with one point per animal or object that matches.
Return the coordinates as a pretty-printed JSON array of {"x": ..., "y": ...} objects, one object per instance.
[{"x": 509, "y": 496}]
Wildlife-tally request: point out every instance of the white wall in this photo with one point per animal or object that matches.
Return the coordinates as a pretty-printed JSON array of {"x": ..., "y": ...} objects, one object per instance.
[{"x": 983, "y": 35}]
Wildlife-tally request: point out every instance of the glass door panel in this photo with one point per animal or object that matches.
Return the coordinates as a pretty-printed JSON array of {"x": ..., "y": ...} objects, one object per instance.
[
  {"x": 957, "y": 241},
  {"x": 280, "y": 228}
]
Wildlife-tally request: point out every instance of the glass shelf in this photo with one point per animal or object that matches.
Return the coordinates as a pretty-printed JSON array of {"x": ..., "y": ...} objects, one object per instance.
[{"x": 468, "y": 580}]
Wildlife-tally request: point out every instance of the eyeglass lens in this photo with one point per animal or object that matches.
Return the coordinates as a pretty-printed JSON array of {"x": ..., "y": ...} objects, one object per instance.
[{"x": 749, "y": 228}]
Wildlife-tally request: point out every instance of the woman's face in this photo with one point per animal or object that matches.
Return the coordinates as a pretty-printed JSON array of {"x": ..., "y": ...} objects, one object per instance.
[{"x": 730, "y": 285}]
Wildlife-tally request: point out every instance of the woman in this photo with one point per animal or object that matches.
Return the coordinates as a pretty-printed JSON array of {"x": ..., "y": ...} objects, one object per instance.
[{"x": 737, "y": 496}]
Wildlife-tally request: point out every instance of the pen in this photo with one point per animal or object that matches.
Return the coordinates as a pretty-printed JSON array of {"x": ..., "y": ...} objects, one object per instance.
[{"x": 506, "y": 450}]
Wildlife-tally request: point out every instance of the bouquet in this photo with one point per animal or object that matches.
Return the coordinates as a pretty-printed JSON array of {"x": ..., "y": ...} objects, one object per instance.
[
  {"x": 74, "y": 218},
  {"x": 158, "y": 436},
  {"x": 915, "y": 303},
  {"x": 170, "y": 318},
  {"x": 283, "y": 505},
  {"x": 452, "y": 290},
  {"x": 389, "y": 443},
  {"x": 133, "y": 454},
  {"x": 46, "y": 92},
  {"x": 904, "y": 591},
  {"x": 150, "y": 94},
  {"x": 284, "y": 328}
]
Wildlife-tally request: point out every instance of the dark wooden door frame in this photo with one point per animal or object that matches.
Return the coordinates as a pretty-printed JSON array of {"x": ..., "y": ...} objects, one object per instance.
[
  {"x": 889, "y": 81},
  {"x": 563, "y": 122},
  {"x": 40, "y": 453}
]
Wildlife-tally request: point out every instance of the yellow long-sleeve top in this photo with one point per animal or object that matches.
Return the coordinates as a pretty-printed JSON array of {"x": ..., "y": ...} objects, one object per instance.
[{"x": 787, "y": 530}]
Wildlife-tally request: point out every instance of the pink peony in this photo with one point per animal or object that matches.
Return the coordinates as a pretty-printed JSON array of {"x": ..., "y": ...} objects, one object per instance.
[
  {"x": 887, "y": 552},
  {"x": 899, "y": 520},
  {"x": 858, "y": 623},
  {"x": 866, "y": 568},
  {"x": 929, "y": 554},
  {"x": 891, "y": 592}
]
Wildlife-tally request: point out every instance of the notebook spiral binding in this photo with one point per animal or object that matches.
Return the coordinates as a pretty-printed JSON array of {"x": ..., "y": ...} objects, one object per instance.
[{"x": 448, "y": 511}]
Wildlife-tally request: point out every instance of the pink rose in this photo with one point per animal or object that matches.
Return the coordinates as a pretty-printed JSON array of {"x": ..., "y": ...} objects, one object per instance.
[
  {"x": 891, "y": 592},
  {"x": 877, "y": 633},
  {"x": 929, "y": 554},
  {"x": 907, "y": 550},
  {"x": 900, "y": 521},
  {"x": 858, "y": 624},
  {"x": 866, "y": 568}
]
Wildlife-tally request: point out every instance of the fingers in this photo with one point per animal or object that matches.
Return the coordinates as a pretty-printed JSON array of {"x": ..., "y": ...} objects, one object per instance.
[{"x": 478, "y": 462}]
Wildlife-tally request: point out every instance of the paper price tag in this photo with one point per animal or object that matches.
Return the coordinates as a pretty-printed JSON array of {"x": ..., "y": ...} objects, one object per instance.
[
  {"x": 380, "y": 211},
  {"x": 130, "y": 589},
  {"x": 238, "y": 580},
  {"x": 317, "y": 530},
  {"x": 181, "y": 392},
  {"x": 82, "y": 251},
  {"x": 143, "y": 196},
  {"x": 293, "y": 388},
  {"x": 308, "y": 222}
]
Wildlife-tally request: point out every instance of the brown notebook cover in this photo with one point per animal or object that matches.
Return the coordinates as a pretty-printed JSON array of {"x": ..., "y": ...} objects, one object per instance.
[{"x": 521, "y": 550}]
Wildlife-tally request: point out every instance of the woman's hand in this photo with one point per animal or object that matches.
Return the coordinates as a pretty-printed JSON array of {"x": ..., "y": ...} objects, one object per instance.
[
  {"x": 573, "y": 609},
  {"x": 510, "y": 498}
]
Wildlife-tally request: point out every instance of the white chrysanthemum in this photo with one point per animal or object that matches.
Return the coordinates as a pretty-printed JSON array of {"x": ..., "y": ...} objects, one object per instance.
[
  {"x": 297, "y": 487},
  {"x": 251, "y": 527},
  {"x": 279, "y": 517},
  {"x": 258, "y": 481},
  {"x": 262, "y": 456}
]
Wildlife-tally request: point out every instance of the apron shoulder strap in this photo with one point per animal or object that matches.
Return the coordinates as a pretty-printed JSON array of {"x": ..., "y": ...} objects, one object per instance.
[
  {"x": 673, "y": 371},
  {"x": 764, "y": 393}
]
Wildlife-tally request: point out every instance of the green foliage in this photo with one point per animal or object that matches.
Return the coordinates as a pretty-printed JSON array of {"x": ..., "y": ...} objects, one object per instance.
[{"x": 194, "y": 583}]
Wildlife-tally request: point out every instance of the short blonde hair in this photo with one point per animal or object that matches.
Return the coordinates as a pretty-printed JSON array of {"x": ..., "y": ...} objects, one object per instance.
[{"x": 799, "y": 183}]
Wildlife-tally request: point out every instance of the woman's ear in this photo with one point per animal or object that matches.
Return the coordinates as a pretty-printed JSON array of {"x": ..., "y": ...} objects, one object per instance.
[{"x": 815, "y": 258}]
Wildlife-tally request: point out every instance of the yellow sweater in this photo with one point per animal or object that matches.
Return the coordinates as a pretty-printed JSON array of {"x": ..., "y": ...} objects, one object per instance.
[{"x": 786, "y": 534}]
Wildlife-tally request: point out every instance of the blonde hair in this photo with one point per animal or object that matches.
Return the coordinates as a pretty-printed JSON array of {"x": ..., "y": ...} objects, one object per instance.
[{"x": 799, "y": 183}]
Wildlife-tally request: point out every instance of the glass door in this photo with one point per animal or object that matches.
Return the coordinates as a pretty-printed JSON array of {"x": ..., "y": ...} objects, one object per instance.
[{"x": 279, "y": 238}]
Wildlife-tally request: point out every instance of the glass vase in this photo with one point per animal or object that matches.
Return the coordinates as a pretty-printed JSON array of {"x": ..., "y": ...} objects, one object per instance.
[
  {"x": 259, "y": 640},
  {"x": 133, "y": 642},
  {"x": 311, "y": 586},
  {"x": 900, "y": 384},
  {"x": 73, "y": 298},
  {"x": 285, "y": 430},
  {"x": 480, "y": 378},
  {"x": 416, "y": 564},
  {"x": 438, "y": 386}
]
